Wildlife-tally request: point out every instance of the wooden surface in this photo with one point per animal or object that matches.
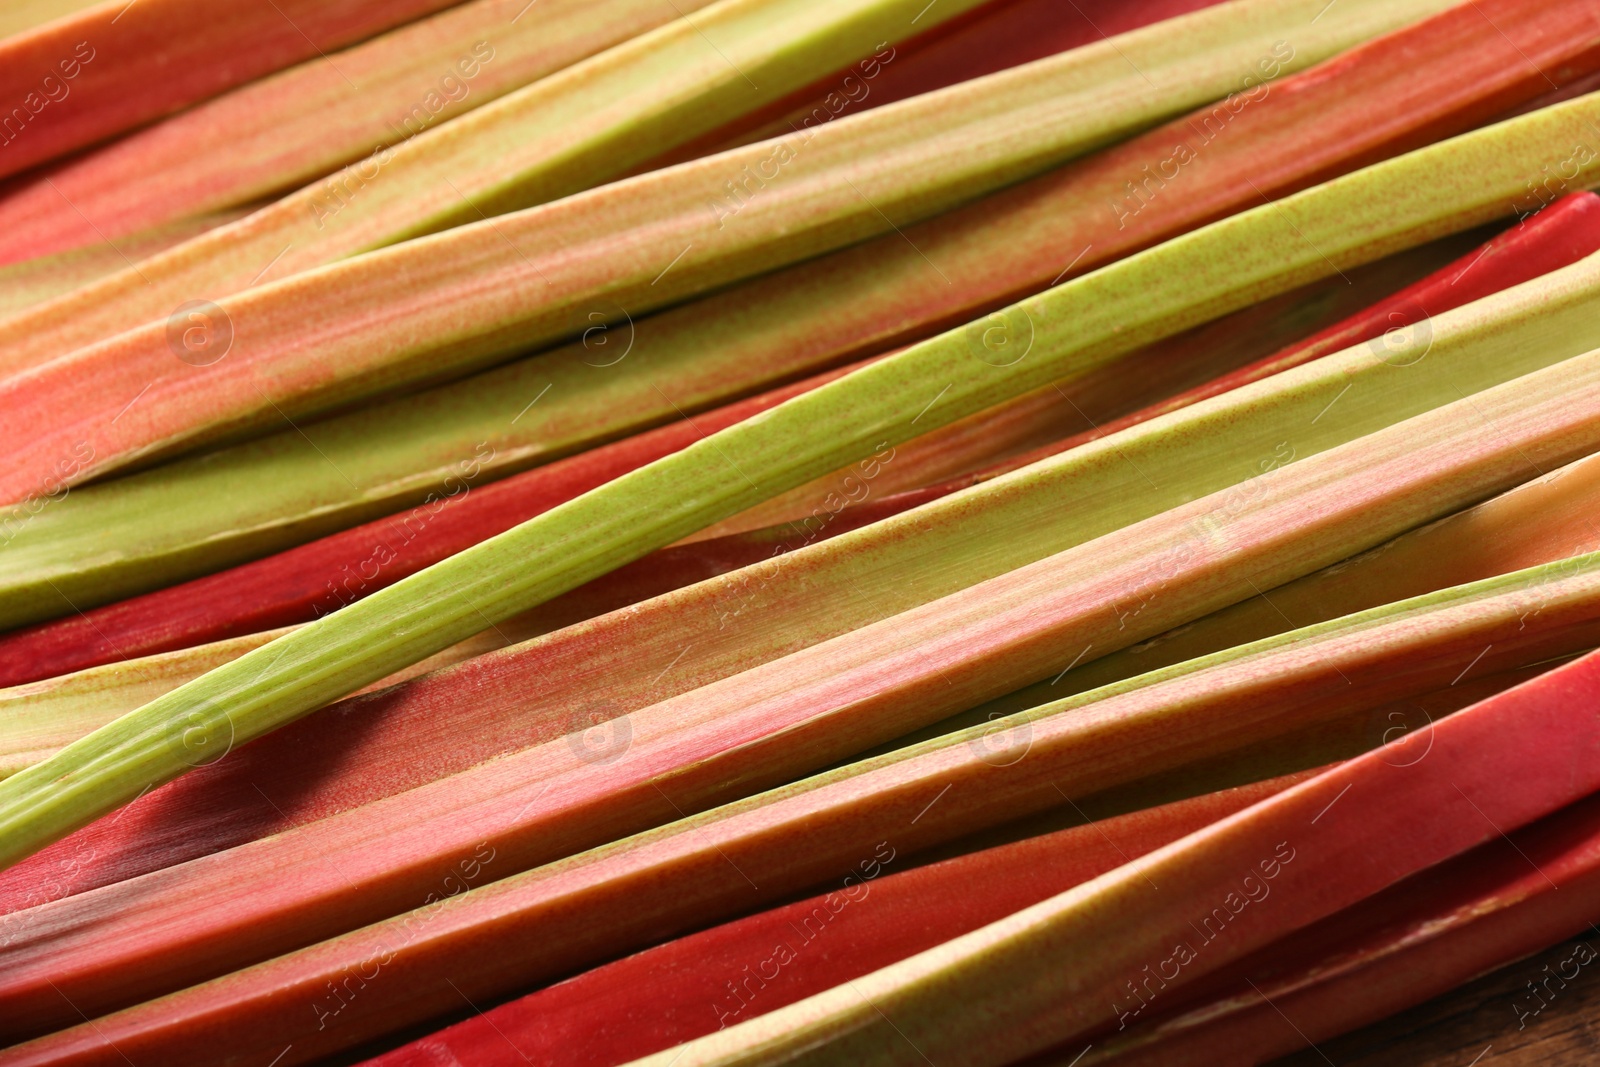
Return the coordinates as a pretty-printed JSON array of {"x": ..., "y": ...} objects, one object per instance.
[{"x": 1477, "y": 1026}]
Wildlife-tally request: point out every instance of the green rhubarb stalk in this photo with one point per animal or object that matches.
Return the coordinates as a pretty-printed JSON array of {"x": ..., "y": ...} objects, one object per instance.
[
  {"x": 951, "y": 544},
  {"x": 312, "y": 479},
  {"x": 1001, "y": 438},
  {"x": 1084, "y": 322},
  {"x": 453, "y": 302},
  {"x": 302, "y": 123},
  {"x": 40, "y": 718},
  {"x": 566, "y": 915}
]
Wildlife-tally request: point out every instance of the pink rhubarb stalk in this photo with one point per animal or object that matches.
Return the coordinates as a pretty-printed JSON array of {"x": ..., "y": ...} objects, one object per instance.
[
  {"x": 284, "y": 131},
  {"x": 110, "y": 68},
  {"x": 620, "y": 895},
  {"x": 874, "y": 295},
  {"x": 816, "y": 706}
]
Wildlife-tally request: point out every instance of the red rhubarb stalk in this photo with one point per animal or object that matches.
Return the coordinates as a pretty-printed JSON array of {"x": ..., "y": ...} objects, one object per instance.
[
  {"x": 881, "y": 914},
  {"x": 1437, "y": 930},
  {"x": 99, "y": 72},
  {"x": 1200, "y": 903}
]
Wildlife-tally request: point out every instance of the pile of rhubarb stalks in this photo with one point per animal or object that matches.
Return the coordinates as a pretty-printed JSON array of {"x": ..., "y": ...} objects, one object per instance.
[{"x": 828, "y": 532}]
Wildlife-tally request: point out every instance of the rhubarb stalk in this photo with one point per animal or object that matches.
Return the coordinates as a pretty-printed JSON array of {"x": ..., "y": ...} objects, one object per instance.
[
  {"x": 713, "y": 349},
  {"x": 106, "y": 69},
  {"x": 1084, "y": 322}
]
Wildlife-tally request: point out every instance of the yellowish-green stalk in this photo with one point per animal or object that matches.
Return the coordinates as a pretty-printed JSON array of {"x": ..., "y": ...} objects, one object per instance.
[
  {"x": 41, "y": 718},
  {"x": 975, "y": 535}
]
